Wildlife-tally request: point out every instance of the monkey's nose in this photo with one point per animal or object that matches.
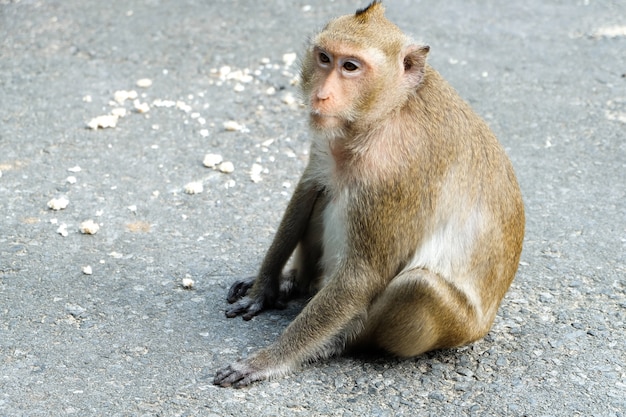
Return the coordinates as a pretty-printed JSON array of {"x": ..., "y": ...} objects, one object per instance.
[{"x": 322, "y": 95}]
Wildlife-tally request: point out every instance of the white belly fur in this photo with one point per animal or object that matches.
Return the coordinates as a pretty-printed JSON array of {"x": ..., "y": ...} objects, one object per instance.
[
  {"x": 335, "y": 238},
  {"x": 447, "y": 251}
]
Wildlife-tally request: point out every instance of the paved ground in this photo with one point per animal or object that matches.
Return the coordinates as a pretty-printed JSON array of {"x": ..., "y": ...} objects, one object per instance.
[{"x": 128, "y": 339}]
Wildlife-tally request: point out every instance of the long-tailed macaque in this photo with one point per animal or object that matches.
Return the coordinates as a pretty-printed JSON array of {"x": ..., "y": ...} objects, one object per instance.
[{"x": 407, "y": 224}]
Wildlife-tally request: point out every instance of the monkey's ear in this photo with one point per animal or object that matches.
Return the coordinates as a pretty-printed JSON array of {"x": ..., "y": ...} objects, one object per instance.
[{"x": 414, "y": 63}]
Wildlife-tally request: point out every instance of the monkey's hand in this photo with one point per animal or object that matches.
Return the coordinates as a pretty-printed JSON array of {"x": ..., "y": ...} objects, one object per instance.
[
  {"x": 239, "y": 289},
  {"x": 244, "y": 372},
  {"x": 246, "y": 307},
  {"x": 245, "y": 303}
]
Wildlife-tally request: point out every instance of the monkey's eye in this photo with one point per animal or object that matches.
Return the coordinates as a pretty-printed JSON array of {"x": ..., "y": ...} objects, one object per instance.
[
  {"x": 350, "y": 66},
  {"x": 324, "y": 59}
]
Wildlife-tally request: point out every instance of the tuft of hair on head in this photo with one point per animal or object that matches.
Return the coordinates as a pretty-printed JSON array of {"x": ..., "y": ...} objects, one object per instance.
[{"x": 374, "y": 6}]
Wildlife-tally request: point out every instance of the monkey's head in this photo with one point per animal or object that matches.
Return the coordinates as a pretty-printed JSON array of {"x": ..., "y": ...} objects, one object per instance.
[{"x": 359, "y": 67}]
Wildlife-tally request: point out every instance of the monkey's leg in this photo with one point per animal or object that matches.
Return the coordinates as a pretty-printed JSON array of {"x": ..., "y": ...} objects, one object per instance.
[
  {"x": 249, "y": 297},
  {"x": 420, "y": 311},
  {"x": 304, "y": 278},
  {"x": 321, "y": 330}
]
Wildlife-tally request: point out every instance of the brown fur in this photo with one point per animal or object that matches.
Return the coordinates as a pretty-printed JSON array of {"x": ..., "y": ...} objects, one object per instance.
[{"x": 407, "y": 222}]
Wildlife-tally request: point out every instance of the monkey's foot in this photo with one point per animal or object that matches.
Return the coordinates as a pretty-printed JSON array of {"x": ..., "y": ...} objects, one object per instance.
[
  {"x": 245, "y": 372},
  {"x": 236, "y": 378}
]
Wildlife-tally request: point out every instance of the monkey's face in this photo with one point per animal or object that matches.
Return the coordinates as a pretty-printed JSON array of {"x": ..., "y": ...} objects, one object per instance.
[
  {"x": 334, "y": 91},
  {"x": 340, "y": 84}
]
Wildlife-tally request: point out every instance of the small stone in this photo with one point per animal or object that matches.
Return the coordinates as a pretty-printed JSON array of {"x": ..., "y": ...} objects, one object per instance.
[
  {"x": 211, "y": 160},
  {"x": 226, "y": 167},
  {"x": 144, "y": 82},
  {"x": 232, "y": 126},
  {"x": 255, "y": 173},
  {"x": 289, "y": 58},
  {"x": 103, "y": 122},
  {"x": 89, "y": 227},
  {"x": 289, "y": 99},
  {"x": 141, "y": 107},
  {"x": 87, "y": 270},
  {"x": 58, "y": 203},
  {"x": 194, "y": 187},
  {"x": 188, "y": 283},
  {"x": 122, "y": 95},
  {"x": 62, "y": 230},
  {"x": 119, "y": 112}
]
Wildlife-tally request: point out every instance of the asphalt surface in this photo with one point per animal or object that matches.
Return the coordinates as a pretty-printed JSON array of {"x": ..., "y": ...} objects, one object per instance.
[{"x": 128, "y": 339}]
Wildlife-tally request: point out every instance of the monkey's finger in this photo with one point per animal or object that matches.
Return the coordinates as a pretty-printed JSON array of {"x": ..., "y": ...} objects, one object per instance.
[
  {"x": 237, "y": 308},
  {"x": 225, "y": 377},
  {"x": 239, "y": 289},
  {"x": 246, "y": 307},
  {"x": 249, "y": 379},
  {"x": 252, "y": 311}
]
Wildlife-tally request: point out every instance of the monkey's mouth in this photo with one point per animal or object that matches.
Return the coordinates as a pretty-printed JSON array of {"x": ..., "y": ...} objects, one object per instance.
[
  {"x": 321, "y": 116},
  {"x": 321, "y": 120}
]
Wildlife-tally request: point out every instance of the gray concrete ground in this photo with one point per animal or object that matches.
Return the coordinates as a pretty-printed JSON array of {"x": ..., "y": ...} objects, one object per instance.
[{"x": 128, "y": 339}]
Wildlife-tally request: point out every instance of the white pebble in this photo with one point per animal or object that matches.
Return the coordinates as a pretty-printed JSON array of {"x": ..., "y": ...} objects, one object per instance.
[
  {"x": 289, "y": 99},
  {"x": 226, "y": 167},
  {"x": 122, "y": 95},
  {"x": 204, "y": 133},
  {"x": 119, "y": 112},
  {"x": 188, "y": 283},
  {"x": 255, "y": 173},
  {"x": 89, "y": 227},
  {"x": 181, "y": 105},
  {"x": 141, "y": 107},
  {"x": 62, "y": 230},
  {"x": 106, "y": 121},
  {"x": 71, "y": 179},
  {"x": 224, "y": 71},
  {"x": 232, "y": 126},
  {"x": 194, "y": 187},
  {"x": 58, "y": 203},
  {"x": 144, "y": 82},
  {"x": 289, "y": 58},
  {"x": 163, "y": 103},
  {"x": 75, "y": 169},
  {"x": 211, "y": 160},
  {"x": 87, "y": 270}
]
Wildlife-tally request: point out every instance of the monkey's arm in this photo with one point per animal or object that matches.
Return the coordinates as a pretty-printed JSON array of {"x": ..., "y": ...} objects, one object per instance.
[
  {"x": 322, "y": 329},
  {"x": 249, "y": 297}
]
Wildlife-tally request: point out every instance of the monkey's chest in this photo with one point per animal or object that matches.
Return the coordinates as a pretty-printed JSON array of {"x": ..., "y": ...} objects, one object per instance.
[{"x": 334, "y": 236}]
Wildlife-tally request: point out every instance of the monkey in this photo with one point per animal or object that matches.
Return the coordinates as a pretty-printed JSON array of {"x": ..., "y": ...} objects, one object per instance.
[{"x": 407, "y": 224}]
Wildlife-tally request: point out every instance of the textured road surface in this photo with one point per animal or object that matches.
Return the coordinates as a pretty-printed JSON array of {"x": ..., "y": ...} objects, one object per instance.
[{"x": 129, "y": 340}]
